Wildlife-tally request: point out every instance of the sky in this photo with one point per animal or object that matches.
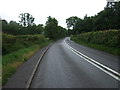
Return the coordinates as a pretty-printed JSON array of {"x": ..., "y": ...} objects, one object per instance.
[{"x": 41, "y": 9}]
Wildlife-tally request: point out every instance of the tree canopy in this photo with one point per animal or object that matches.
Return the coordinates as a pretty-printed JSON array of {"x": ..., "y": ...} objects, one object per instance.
[
  {"x": 26, "y": 19},
  {"x": 104, "y": 20},
  {"x": 52, "y": 30}
]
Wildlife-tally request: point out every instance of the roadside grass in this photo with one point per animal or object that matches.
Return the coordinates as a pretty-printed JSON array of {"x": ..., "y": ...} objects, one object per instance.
[
  {"x": 114, "y": 51},
  {"x": 12, "y": 61}
]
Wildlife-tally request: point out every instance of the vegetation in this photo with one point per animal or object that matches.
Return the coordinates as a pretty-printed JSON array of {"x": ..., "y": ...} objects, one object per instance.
[
  {"x": 26, "y": 19},
  {"x": 100, "y": 31},
  {"x": 13, "y": 60},
  {"x": 53, "y": 31},
  {"x": 12, "y": 43},
  {"x": 15, "y": 29},
  {"x": 18, "y": 49},
  {"x": 102, "y": 40},
  {"x": 21, "y": 40},
  {"x": 104, "y": 20}
]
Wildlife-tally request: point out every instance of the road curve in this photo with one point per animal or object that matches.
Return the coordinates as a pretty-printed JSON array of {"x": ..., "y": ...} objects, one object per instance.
[{"x": 62, "y": 68}]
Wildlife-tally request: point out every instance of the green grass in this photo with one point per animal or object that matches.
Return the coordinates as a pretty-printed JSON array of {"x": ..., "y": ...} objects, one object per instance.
[
  {"x": 12, "y": 61},
  {"x": 16, "y": 56},
  {"x": 17, "y": 50},
  {"x": 110, "y": 50}
]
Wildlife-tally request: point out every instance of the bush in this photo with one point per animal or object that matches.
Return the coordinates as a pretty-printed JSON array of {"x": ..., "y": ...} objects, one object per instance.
[
  {"x": 13, "y": 43},
  {"x": 108, "y": 41},
  {"x": 107, "y": 38},
  {"x": 17, "y": 50}
]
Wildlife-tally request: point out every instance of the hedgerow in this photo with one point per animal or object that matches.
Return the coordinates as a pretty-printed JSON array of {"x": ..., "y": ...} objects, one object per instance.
[{"x": 107, "y": 38}]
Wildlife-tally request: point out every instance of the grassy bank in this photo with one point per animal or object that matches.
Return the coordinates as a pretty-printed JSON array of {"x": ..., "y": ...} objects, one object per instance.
[
  {"x": 17, "y": 50},
  {"x": 106, "y": 41},
  {"x": 12, "y": 43},
  {"x": 13, "y": 60}
]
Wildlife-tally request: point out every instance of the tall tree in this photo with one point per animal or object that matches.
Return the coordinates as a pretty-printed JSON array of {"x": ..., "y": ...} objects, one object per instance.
[
  {"x": 51, "y": 21},
  {"x": 26, "y": 19},
  {"x": 51, "y": 28},
  {"x": 71, "y": 22},
  {"x": 104, "y": 20},
  {"x": 4, "y": 26}
]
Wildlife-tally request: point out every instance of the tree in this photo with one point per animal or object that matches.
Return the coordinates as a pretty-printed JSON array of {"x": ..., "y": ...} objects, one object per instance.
[
  {"x": 51, "y": 21},
  {"x": 51, "y": 30},
  {"x": 71, "y": 22},
  {"x": 107, "y": 19},
  {"x": 12, "y": 27},
  {"x": 78, "y": 28},
  {"x": 26, "y": 19},
  {"x": 117, "y": 14},
  {"x": 104, "y": 20},
  {"x": 4, "y": 26},
  {"x": 35, "y": 29},
  {"x": 62, "y": 32},
  {"x": 40, "y": 28}
]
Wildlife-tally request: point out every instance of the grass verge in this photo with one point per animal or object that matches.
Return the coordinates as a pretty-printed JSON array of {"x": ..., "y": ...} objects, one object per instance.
[
  {"x": 110, "y": 50},
  {"x": 12, "y": 61}
]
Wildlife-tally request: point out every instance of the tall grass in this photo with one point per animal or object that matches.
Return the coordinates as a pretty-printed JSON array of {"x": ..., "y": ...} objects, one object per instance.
[{"x": 13, "y": 60}]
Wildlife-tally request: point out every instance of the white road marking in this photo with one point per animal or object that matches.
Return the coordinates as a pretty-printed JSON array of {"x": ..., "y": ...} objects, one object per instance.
[{"x": 94, "y": 62}]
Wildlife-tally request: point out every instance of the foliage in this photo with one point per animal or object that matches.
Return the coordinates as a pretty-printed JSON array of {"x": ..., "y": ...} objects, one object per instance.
[
  {"x": 53, "y": 31},
  {"x": 108, "y": 38},
  {"x": 114, "y": 51},
  {"x": 13, "y": 60},
  {"x": 13, "y": 43},
  {"x": 71, "y": 21},
  {"x": 26, "y": 19},
  {"x": 18, "y": 49},
  {"x": 16, "y": 29},
  {"x": 104, "y": 20}
]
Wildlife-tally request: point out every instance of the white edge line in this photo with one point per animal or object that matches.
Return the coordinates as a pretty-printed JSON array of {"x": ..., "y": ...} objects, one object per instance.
[
  {"x": 95, "y": 61},
  {"x": 72, "y": 49}
]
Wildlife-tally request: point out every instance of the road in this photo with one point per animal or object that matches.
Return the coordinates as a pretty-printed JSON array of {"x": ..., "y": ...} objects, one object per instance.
[{"x": 70, "y": 65}]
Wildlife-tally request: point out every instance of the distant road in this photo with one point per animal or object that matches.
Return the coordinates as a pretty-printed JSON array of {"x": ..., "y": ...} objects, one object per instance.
[{"x": 67, "y": 64}]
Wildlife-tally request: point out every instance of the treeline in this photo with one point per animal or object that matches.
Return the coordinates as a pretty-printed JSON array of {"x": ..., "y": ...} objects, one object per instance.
[
  {"x": 16, "y": 29},
  {"x": 50, "y": 30},
  {"x": 24, "y": 34},
  {"x": 104, "y": 20}
]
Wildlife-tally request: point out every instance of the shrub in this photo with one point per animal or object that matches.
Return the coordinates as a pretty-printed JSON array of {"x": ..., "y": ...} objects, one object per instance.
[
  {"x": 13, "y": 43},
  {"x": 107, "y": 38}
]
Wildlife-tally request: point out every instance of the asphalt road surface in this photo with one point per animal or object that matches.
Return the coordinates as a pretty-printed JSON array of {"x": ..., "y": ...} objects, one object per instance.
[{"x": 64, "y": 67}]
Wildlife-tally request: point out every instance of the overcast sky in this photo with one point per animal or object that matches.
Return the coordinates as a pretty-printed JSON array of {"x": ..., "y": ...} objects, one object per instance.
[{"x": 41, "y": 9}]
